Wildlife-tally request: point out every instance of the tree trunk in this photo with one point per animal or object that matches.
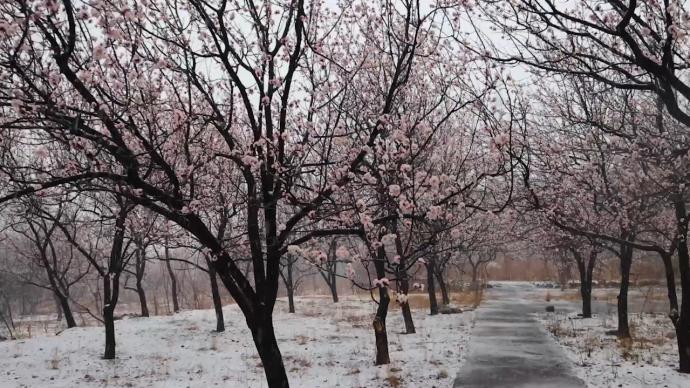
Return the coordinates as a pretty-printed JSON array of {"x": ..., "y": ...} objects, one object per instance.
[
  {"x": 66, "y": 311},
  {"x": 379, "y": 324},
  {"x": 445, "y": 298},
  {"x": 109, "y": 321},
  {"x": 380, "y": 333},
  {"x": 108, "y": 318},
  {"x": 475, "y": 274},
  {"x": 683, "y": 340},
  {"x": 173, "y": 281},
  {"x": 142, "y": 300},
  {"x": 431, "y": 287},
  {"x": 265, "y": 341},
  {"x": 626, "y": 262},
  {"x": 58, "y": 307},
  {"x": 140, "y": 271},
  {"x": 217, "y": 302},
  {"x": 586, "y": 293},
  {"x": 406, "y": 311},
  {"x": 683, "y": 326},
  {"x": 111, "y": 283},
  {"x": 290, "y": 286},
  {"x": 291, "y": 300},
  {"x": 333, "y": 284},
  {"x": 586, "y": 269}
]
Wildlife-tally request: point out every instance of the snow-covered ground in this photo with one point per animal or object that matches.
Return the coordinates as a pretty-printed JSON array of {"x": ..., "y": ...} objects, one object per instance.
[
  {"x": 323, "y": 345},
  {"x": 602, "y": 360}
]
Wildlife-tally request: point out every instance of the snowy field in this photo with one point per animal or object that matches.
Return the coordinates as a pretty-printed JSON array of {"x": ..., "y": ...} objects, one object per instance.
[
  {"x": 323, "y": 345},
  {"x": 602, "y": 360}
]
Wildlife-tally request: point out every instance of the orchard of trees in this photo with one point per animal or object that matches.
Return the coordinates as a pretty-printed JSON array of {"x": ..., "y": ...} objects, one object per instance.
[{"x": 361, "y": 141}]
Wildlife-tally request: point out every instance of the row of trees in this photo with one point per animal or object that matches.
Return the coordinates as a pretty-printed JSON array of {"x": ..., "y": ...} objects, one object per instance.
[
  {"x": 385, "y": 136},
  {"x": 608, "y": 140},
  {"x": 257, "y": 133}
]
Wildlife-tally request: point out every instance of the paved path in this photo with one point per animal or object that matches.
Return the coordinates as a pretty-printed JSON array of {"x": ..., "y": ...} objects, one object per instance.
[{"x": 509, "y": 348}]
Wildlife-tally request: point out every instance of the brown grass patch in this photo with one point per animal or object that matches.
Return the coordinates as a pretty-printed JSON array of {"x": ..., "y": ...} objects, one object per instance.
[
  {"x": 301, "y": 339},
  {"x": 468, "y": 298},
  {"x": 55, "y": 361},
  {"x": 393, "y": 380},
  {"x": 357, "y": 320},
  {"x": 309, "y": 311},
  {"x": 298, "y": 363},
  {"x": 420, "y": 301}
]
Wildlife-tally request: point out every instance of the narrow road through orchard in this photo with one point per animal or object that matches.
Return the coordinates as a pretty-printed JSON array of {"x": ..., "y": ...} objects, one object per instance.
[{"x": 509, "y": 348}]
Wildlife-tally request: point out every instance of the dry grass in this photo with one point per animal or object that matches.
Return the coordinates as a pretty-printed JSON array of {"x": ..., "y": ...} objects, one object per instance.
[
  {"x": 297, "y": 363},
  {"x": 645, "y": 337},
  {"x": 193, "y": 327},
  {"x": 468, "y": 298},
  {"x": 393, "y": 380},
  {"x": 55, "y": 361},
  {"x": 420, "y": 301},
  {"x": 302, "y": 340},
  {"x": 357, "y": 320},
  {"x": 353, "y": 371},
  {"x": 559, "y": 330},
  {"x": 214, "y": 343},
  {"x": 309, "y": 310}
]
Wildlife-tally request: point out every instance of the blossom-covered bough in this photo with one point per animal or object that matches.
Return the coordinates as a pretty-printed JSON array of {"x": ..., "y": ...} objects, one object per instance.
[{"x": 640, "y": 49}]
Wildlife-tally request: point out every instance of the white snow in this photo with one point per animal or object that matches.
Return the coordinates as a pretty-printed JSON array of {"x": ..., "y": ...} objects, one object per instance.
[
  {"x": 323, "y": 345},
  {"x": 602, "y": 360}
]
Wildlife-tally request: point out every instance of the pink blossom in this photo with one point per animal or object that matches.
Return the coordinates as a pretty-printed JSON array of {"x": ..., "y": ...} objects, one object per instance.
[{"x": 394, "y": 190}]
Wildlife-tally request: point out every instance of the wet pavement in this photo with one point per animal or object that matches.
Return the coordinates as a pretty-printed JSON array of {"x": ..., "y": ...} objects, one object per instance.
[{"x": 509, "y": 348}]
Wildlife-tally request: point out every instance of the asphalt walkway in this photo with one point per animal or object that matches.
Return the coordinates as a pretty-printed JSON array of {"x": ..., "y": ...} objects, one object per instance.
[{"x": 509, "y": 348}]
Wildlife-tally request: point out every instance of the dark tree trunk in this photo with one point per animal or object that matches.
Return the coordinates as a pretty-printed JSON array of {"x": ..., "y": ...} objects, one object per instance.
[
  {"x": 379, "y": 324},
  {"x": 333, "y": 285},
  {"x": 380, "y": 332},
  {"x": 64, "y": 309},
  {"x": 626, "y": 263},
  {"x": 217, "y": 302},
  {"x": 586, "y": 269},
  {"x": 173, "y": 281},
  {"x": 109, "y": 301},
  {"x": 329, "y": 275},
  {"x": 406, "y": 311},
  {"x": 586, "y": 293},
  {"x": 683, "y": 325},
  {"x": 259, "y": 321},
  {"x": 67, "y": 311},
  {"x": 111, "y": 284},
  {"x": 58, "y": 307},
  {"x": 674, "y": 312},
  {"x": 265, "y": 341},
  {"x": 291, "y": 290},
  {"x": 683, "y": 340},
  {"x": 291, "y": 300},
  {"x": 109, "y": 322},
  {"x": 475, "y": 275},
  {"x": 142, "y": 300},
  {"x": 445, "y": 298},
  {"x": 404, "y": 284},
  {"x": 431, "y": 287},
  {"x": 140, "y": 271}
]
